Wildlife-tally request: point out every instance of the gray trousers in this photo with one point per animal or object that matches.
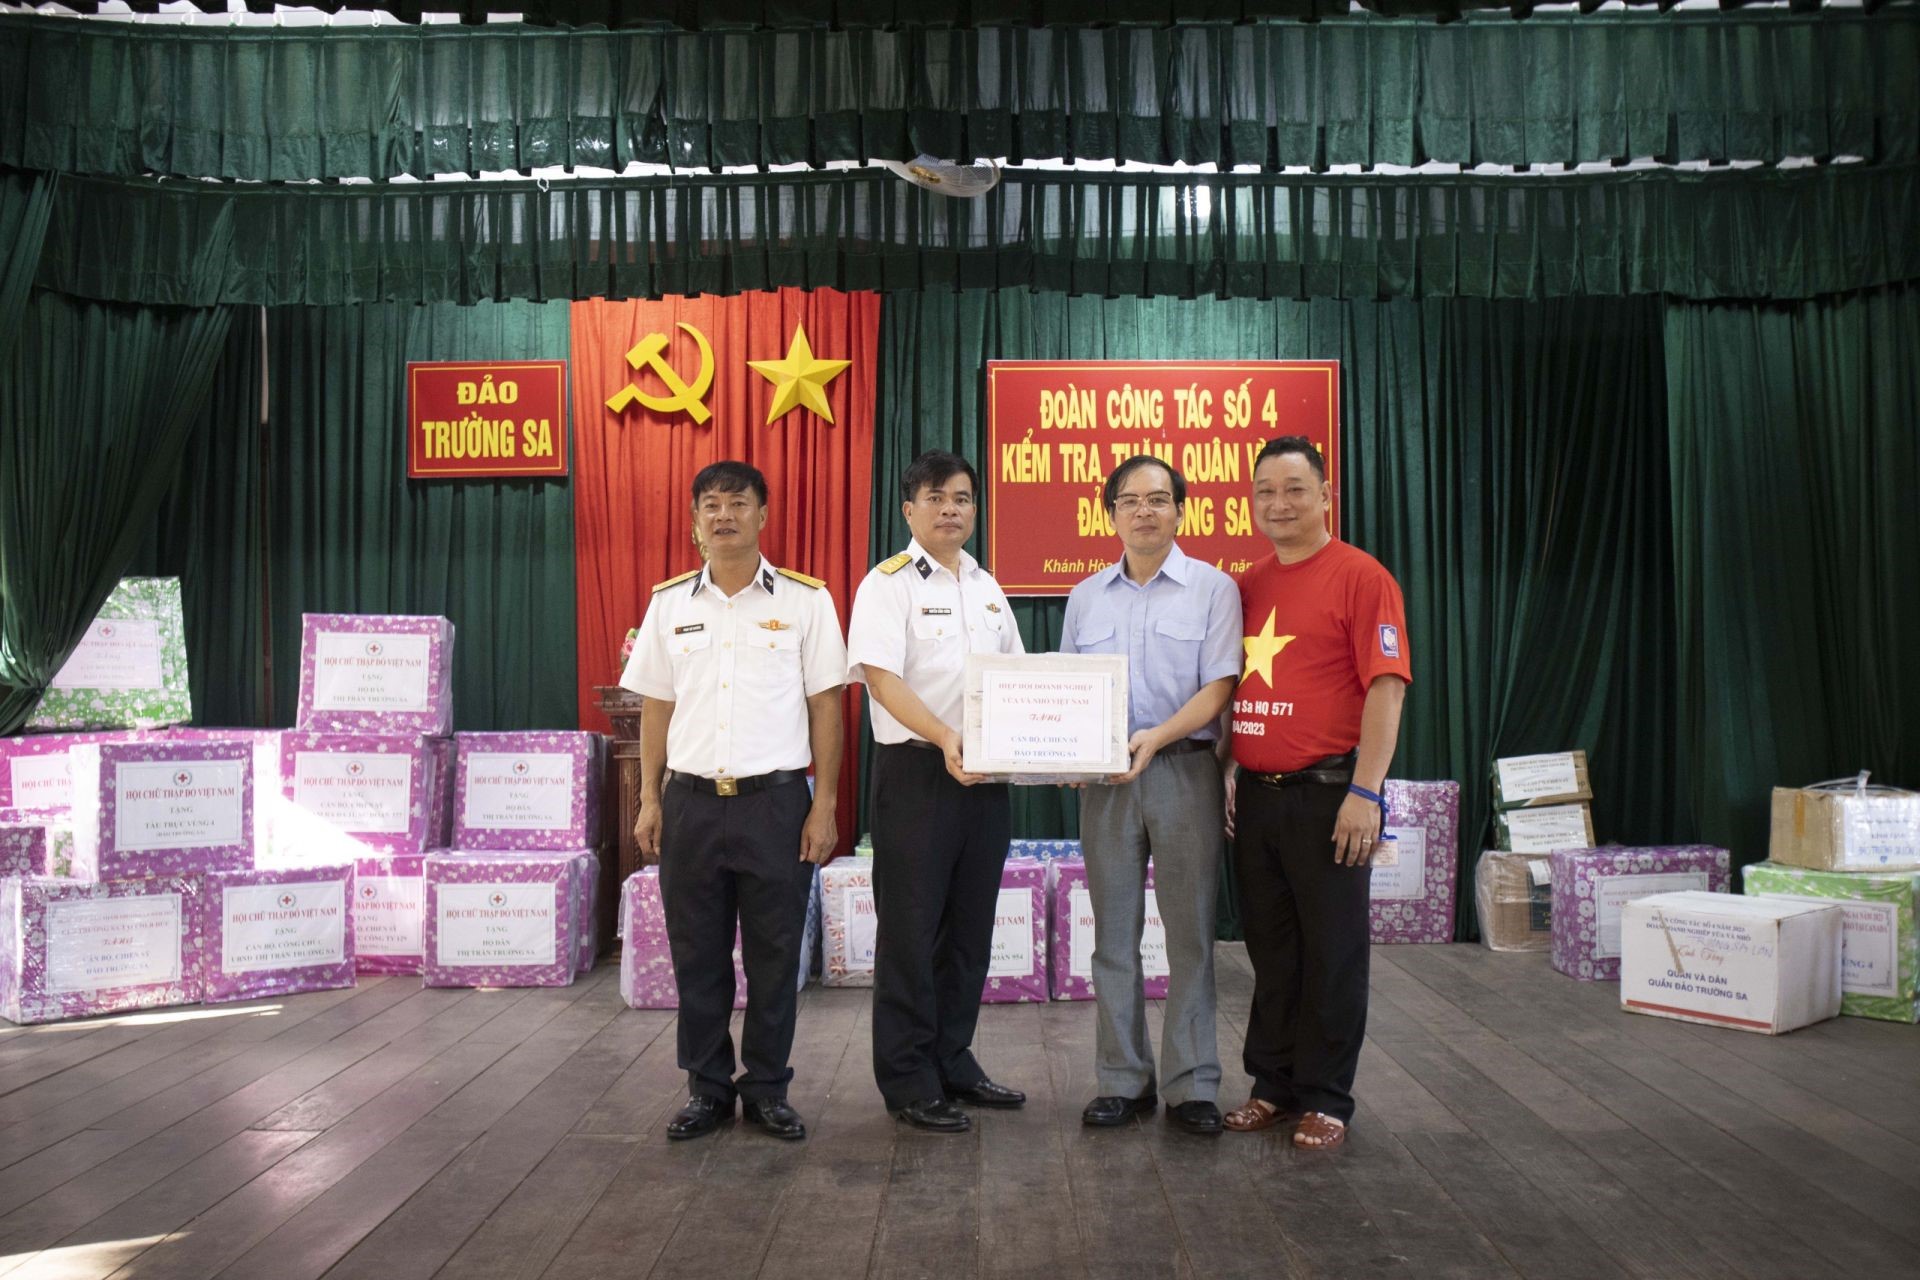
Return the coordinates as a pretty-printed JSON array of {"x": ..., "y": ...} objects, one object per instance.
[{"x": 1172, "y": 812}]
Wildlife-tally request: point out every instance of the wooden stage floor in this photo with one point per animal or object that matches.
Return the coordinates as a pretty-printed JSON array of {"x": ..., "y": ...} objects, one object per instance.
[{"x": 1512, "y": 1122}]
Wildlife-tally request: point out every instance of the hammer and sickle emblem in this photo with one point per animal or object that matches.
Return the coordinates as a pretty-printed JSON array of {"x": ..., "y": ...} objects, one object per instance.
[{"x": 650, "y": 352}]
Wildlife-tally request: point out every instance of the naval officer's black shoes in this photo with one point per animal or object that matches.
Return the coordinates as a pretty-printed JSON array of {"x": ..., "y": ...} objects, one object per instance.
[
  {"x": 776, "y": 1117},
  {"x": 1196, "y": 1116},
  {"x": 985, "y": 1093},
  {"x": 701, "y": 1116},
  {"x": 935, "y": 1115},
  {"x": 1112, "y": 1110}
]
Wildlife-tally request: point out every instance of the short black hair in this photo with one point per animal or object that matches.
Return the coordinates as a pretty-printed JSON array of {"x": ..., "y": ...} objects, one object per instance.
[
  {"x": 1110, "y": 492},
  {"x": 1293, "y": 444},
  {"x": 934, "y": 468},
  {"x": 730, "y": 477}
]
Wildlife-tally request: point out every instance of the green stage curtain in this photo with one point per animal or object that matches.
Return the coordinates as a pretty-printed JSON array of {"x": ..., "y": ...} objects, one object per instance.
[
  {"x": 1507, "y": 461},
  {"x": 1749, "y": 233},
  {"x": 26, "y": 201},
  {"x": 263, "y": 105},
  {"x": 350, "y": 533},
  {"x": 209, "y": 534},
  {"x": 1795, "y": 465},
  {"x": 96, "y": 405}
]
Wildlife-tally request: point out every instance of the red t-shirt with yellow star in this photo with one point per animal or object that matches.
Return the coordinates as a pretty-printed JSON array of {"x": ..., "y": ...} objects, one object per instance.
[{"x": 1317, "y": 634}]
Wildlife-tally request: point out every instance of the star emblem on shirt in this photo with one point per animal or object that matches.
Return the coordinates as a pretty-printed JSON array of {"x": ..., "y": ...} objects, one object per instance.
[{"x": 1262, "y": 649}]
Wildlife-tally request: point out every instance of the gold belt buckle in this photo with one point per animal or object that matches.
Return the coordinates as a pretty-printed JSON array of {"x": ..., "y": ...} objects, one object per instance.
[{"x": 725, "y": 787}]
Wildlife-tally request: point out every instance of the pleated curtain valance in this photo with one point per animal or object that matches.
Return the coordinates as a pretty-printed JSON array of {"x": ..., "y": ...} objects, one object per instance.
[
  {"x": 1759, "y": 233},
  {"x": 294, "y": 104}
]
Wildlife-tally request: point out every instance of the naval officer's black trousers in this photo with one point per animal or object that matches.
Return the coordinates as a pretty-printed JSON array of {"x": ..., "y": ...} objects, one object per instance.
[
  {"x": 732, "y": 863},
  {"x": 938, "y": 852}
]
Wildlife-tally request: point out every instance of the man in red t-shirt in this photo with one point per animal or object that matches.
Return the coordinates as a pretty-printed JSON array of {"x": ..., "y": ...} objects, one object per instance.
[{"x": 1315, "y": 720}]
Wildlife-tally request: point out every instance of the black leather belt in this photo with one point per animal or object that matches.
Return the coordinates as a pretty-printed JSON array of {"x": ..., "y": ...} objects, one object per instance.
[
  {"x": 1334, "y": 771},
  {"x": 1185, "y": 745},
  {"x": 921, "y": 743},
  {"x": 736, "y": 786}
]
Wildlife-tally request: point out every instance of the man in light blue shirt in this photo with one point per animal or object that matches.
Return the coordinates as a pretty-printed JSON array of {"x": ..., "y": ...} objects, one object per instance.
[{"x": 1178, "y": 621}]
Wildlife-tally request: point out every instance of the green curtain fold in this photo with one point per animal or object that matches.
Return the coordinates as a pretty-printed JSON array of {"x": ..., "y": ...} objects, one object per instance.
[
  {"x": 1506, "y": 460},
  {"x": 1795, "y": 464},
  {"x": 1752, "y": 233},
  {"x": 26, "y": 202},
  {"x": 348, "y": 532},
  {"x": 260, "y": 104},
  {"x": 96, "y": 406}
]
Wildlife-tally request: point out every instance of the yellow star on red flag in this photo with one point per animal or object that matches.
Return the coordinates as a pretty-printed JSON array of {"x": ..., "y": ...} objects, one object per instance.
[
  {"x": 800, "y": 380},
  {"x": 1262, "y": 649}
]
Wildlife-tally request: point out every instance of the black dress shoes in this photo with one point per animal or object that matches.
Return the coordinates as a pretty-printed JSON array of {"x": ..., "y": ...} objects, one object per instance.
[
  {"x": 1196, "y": 1116},
  {"x": 701, "y": 1116},
  {"x": 776, "y": 1117},
  {"x": 935, "y": 1115},
  {"x": 986, "y": 1093},
  {"x": 1110, "y": 1111}
]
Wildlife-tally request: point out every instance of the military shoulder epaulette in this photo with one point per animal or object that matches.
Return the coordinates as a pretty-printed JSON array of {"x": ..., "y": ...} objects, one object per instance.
[
  {"x": 895, "y": 564},
  {"x": 662, "y": 586},
  {"x": 801, "y": 578}
]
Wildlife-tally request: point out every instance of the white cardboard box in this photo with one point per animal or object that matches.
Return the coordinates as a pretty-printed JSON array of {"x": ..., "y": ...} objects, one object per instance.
[{"x": 1757, "y": 964}]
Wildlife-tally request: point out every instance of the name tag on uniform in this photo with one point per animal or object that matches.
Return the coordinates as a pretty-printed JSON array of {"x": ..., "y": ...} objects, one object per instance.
[
  {"x": 690, "y": 628},
  {"x": 929, "y": 611}
]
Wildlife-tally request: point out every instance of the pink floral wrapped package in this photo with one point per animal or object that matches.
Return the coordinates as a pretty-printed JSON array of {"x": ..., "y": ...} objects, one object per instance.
[
  {"x": 646, "y": 959},
  {"x": 161, "y": 808},
  {"x": 527, "y": 790},
  {"x": 500, "y": 921},
  {"x": 1018, "y": 971},
  {"x": 375, "y": 673},
  {"x": 272, "y": 933},
  {"x": 1071, "y": 934},
  {"x": 71, "y": 948},
  {"x": 35, "y": 773},
  {"x": 389, "y": 909},
  {"x": 1591, "y": 885},
  {"x": 350, "y": 795},
  {"x": 1413, "y": 897}
]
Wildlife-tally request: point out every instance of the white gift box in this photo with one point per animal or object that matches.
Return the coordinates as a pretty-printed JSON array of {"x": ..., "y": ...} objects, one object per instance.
[
  {"x": 1756, "y": 964},
  {"x": 849, "y": 923}
]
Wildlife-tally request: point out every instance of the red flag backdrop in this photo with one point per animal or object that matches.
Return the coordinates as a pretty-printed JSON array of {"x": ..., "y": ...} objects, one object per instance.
[{"x": 633, "y": 469}]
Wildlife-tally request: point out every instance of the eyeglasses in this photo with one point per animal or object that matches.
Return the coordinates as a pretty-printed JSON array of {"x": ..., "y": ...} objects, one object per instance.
[
  {"x": 960, "y": 500},
  {"x": 1154, "y": 502}
]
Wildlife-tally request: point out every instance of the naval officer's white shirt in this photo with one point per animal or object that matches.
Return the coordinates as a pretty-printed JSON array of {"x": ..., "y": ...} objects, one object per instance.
[
  {"x": 920, "y": 622},
  {"x": 739, "y": 670}
]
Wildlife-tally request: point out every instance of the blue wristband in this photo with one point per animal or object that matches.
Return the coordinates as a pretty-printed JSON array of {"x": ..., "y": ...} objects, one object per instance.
[{"x": 1365, "y": 794}]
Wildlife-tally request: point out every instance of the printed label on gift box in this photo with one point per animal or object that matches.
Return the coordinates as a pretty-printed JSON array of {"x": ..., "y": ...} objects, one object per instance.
[
  {"x": 178, "y": 804},
  {"x": 516, "y": 791},
  {"x": 495, "y": 924},
  {"x": 1080, "y": 939},
  {"x": 1869, "y": 949},
  {"x": 116, "y": 653},
  {"x": 1545, "y": 830},
  {"x": 1405, "y": 878},
  {"x": 42, "y": 782},
  {"x": 283, "y": 926},
  {"x": 1880, "y": 831},
  {"x": 863, "y": 923},
  {"x": 1531, "y": 777},
  {"x": 1012, "y": 935},
  {"x": 387, "y": 914},
  {"x": 371, "y": 671},
  {"x": 99, "y": 943},
  {"x": 1610, "y": 893},
  {"x": 355, "y": 791}
]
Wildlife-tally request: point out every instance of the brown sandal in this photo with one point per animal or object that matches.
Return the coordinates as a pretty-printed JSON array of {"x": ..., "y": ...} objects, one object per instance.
[
  {"x": 1255, "y": 1115},
  {"x": 1319, "y": 1131}
]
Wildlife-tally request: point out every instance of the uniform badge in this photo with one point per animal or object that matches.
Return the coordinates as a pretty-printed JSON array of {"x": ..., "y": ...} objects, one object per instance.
[
  {"x": 690, "y": 628},
  {"x": 932, "y": 612},
  {"x": 1389, "y": 640},
  {"x": 992, "y": 608},
  {"x": 774, "y": 624}
]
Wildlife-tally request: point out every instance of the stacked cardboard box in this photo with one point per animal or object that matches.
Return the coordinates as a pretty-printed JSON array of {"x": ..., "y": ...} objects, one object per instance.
[
  {"x": 646, "y": 959},
  {"x": 1514, "y": 894},
  {"x": 272, "y": 933},
  {"x": 389, "y": 909},
  {"x": 500, "y": 920},
  {"x": 72, "y": 948},
  {"x": 129, "y": 670},
  {"x": 1543, "y": 803},
  {"x": 1754, "y": 964},
  {"x": 1880, "y": 944},
  {"x": 1018, "y": 970},
  {"x": 161, "y": 808},
  {"x": 374, "y": 673},
  {"x": 1412, "y": 895},
  {"x": 1846, "y": 826}
]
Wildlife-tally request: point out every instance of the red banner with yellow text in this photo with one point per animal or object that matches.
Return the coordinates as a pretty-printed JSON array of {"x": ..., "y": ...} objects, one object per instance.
[
  {"x": 486, "y": 418},
  {"x": 1056, "y": 429}
]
